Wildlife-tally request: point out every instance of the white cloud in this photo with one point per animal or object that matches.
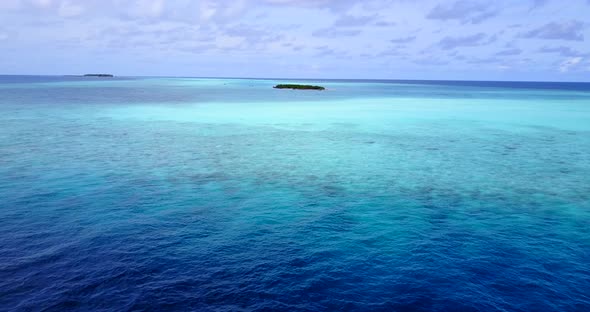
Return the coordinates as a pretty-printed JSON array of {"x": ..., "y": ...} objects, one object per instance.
[
  {"x": 69, "y": 9},
  {"x": 566, "y": 65},
  {"x": 207, "y": 10},
  {"x": 277, "y": 29},
  {"x": 10, "y": 4},
  {"x": 42, "y": 3},
  {"x": 147, "y": 8}
]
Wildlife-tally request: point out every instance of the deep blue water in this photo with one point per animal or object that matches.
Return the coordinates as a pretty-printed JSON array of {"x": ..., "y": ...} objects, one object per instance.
[{"x": 226, "y": 194}]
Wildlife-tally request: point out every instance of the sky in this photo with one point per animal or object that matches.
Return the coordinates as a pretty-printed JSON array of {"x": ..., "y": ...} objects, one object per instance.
[{"x": 539, "y": 40}]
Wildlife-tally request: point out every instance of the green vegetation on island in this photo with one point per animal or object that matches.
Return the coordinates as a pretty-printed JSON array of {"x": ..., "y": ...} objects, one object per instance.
[
  {"x": 298, "y": 87},
  {"x": 99, "y": 75}
]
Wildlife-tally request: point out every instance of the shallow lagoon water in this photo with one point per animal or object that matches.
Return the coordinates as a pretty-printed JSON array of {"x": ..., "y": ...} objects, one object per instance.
[{"x": 225, "y": 194}]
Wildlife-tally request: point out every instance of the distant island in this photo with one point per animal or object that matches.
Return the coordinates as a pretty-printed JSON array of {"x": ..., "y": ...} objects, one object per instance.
[
  {"x": 99, "y": 75},
  {"x": 298, "y": 87}
]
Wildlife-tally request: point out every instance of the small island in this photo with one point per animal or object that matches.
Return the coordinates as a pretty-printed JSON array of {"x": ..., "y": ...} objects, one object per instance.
[
  {"x": 99, "y": 75},
  {"x": 298, "y": 87}
]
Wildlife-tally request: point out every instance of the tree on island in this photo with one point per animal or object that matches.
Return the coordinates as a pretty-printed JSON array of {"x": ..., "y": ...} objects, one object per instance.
[
  {"x": 98, "y": 75},
  {"x": 298, "y": 87}
]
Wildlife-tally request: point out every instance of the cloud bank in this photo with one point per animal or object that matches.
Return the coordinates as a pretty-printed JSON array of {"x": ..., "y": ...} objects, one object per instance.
[{"x": 427, "y": 39}]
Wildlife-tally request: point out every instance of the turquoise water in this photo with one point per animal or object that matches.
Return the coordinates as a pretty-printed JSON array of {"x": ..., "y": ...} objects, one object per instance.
[{"x": 226, "y": 194}]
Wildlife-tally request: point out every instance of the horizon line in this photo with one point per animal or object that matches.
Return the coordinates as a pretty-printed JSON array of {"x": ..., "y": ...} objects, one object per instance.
[{"x": 300, "y": 78}]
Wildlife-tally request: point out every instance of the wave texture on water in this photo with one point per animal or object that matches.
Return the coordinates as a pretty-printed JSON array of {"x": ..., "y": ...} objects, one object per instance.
[{"x": 383, "y": 203}]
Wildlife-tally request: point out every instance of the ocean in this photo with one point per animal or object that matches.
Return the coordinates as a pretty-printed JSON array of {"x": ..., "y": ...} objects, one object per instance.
[{"x": 180, "y": 194}]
